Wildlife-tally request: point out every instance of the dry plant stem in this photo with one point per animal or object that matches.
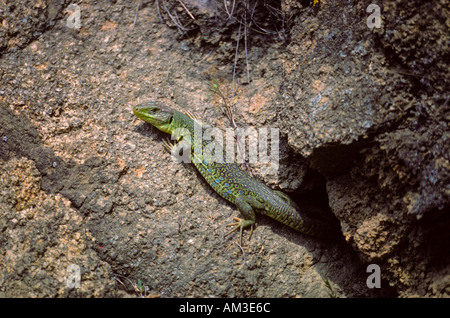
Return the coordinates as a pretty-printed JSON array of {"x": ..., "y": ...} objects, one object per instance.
[
  {"x": 137, "y": 10},
  {"x": 246, "y": 53},
  {"x": 226, "y": 109},
  {"x": 235, "y": 65},
  {"x": 257, "y": 28},
  {"x": 230, "y": 14},
  {"x": 182, "y": 4},
  {"x": 242, "y": 250},
  {"x": 159, "y": 11},
  {"x": 175, "y": 18},
  {"x": 233, "y": 107}
]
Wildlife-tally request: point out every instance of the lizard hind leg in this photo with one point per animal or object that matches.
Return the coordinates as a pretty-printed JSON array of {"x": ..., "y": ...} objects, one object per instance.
[
  {"x": 245, "y": 205},
  {"x": 241, "y": 224}
]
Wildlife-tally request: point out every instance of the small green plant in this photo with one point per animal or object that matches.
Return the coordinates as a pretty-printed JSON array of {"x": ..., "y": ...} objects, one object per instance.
[
  {"x": 139, "y": 287},
  {"x": 226, "y": 109},
  {"x": 331, "y": 292}
]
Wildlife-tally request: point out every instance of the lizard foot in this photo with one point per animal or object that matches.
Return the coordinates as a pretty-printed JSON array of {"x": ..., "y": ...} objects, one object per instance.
[
  {"x": 240, "y": 224},
  {"x": 168, "y": 145}
]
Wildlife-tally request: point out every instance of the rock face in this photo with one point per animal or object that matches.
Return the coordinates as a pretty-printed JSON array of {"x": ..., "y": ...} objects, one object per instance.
[
  {"x": 46, "y": 250},
  {"x": 369, "y": 109},
  {"x": 363, "y": 115}
]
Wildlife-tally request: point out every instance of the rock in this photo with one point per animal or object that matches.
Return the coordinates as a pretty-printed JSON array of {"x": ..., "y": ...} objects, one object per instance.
[
  {"x": 42, "y": 239},
  {"x": 85, "y": 187}
]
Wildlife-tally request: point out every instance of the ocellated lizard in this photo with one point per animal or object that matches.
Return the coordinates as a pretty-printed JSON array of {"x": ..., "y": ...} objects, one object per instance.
[{"x": 231, "y": 182}]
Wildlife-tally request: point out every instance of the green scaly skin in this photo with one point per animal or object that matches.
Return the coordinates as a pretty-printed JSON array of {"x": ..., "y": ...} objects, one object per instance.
[{"x": 232, "y": 183}]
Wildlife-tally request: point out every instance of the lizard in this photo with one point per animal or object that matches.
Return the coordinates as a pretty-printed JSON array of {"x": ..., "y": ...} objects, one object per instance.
[{"x": 228, "y": 180}]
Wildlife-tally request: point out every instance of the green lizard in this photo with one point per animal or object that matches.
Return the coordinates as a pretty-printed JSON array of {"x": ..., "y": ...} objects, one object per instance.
[{"x": 229, "y": 181}]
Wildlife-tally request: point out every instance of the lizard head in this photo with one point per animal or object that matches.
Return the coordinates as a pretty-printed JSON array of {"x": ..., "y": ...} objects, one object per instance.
[{"x": 159, "y": 116}]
